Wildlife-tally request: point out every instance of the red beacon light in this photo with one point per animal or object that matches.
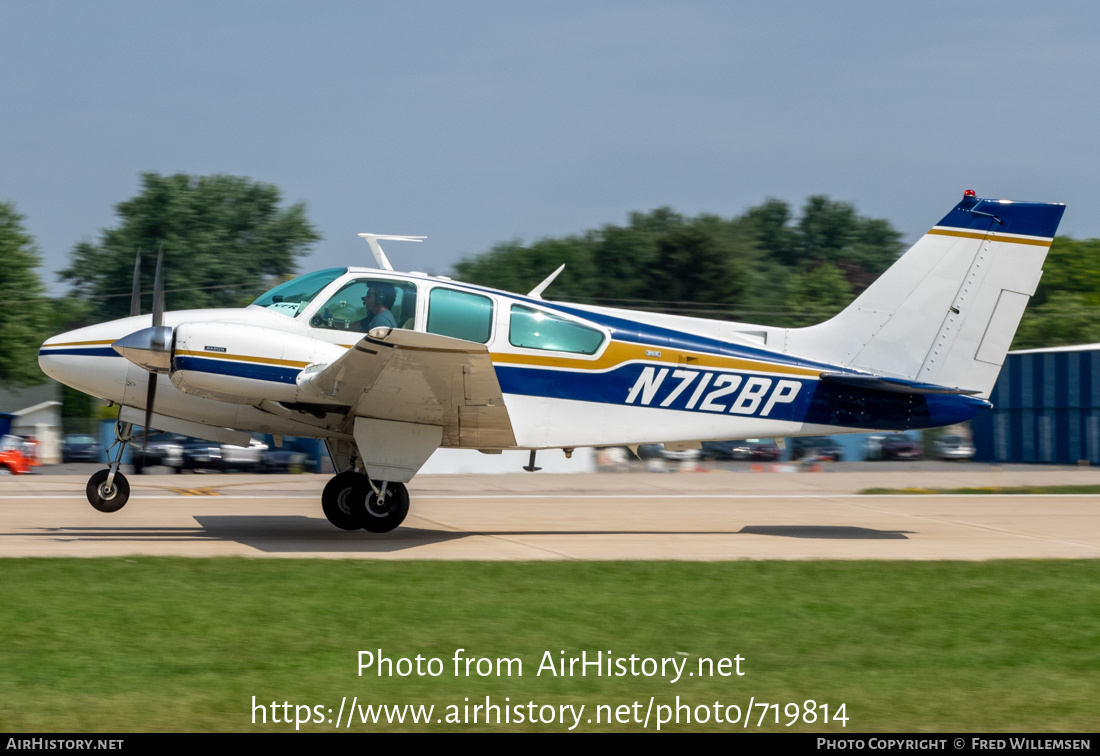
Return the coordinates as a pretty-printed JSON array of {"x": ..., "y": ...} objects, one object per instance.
[{"x": 969, "y": 193}]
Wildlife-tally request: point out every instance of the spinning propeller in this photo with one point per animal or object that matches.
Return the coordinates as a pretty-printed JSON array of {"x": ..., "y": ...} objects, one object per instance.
[{"x": 149, "y": 348}]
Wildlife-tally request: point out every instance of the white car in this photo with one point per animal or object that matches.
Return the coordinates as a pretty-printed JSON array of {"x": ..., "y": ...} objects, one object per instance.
[{"x": 952, "y": 447}]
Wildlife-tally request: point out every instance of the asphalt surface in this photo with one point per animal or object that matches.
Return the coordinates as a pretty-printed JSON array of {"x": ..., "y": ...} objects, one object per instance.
[{"x": 719, "y": 515}]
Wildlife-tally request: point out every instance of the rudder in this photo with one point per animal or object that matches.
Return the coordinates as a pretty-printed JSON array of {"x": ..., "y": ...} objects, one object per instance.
[{"x": 946, "y": 311}]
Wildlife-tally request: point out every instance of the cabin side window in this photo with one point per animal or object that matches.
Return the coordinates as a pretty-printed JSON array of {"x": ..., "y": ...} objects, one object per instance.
[
  {"x": 535, "y": 329},
  {"x": 460, "y": 315}
]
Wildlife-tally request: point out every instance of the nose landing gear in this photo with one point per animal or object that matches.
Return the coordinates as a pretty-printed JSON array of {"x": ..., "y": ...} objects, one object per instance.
[{"x": 108, "y": 490}]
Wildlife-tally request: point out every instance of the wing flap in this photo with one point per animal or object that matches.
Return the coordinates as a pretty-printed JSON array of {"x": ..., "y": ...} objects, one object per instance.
[{"x": 408, "y": 376}]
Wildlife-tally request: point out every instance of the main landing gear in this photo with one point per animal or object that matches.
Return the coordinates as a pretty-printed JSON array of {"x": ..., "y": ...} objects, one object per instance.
[
  {"x": 108, "y": 490},
  {"x": 352, "y": 501}
]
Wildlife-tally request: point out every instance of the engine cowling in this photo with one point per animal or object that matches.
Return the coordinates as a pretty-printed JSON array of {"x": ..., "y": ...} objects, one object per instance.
[{"x": 243, "y": 364}]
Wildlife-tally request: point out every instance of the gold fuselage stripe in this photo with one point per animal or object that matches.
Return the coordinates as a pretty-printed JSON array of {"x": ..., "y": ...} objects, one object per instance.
[
  {"x": 619, "y": 352},
  {"x": 992, "y": 236},
  {"x": 616, "y": 354},
  {"x": 79, "y": 343},
  {"x": 243, "y": 358}
]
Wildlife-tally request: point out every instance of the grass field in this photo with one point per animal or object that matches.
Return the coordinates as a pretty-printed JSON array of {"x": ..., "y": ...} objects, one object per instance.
[{"x": 146, "y": 644}]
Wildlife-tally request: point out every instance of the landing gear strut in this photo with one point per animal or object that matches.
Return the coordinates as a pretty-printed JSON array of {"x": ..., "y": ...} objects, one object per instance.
[
  {"x": 386, "y": 506},
  {"x": 108, "y": 490},
  {"x": 352, "y": 501}
]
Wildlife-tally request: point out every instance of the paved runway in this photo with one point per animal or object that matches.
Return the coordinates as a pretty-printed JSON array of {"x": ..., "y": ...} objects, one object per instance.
[{"x": 713, "y": 516}]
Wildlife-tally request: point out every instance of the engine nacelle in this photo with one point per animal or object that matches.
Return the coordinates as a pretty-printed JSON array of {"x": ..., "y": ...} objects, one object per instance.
[{"x": 244, "y": 364}]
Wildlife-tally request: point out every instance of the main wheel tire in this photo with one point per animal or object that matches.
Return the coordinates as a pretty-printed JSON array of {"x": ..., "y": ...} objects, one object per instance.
[
  {"x": 343, "y": 500},
  {"x": 383, "y": 519},
  {"x": 108, "y": 499}
]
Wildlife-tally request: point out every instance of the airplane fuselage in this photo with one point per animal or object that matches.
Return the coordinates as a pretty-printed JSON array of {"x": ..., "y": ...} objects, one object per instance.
[
  {"x": 606, "y": 377},
  {"x": 387, "y": 367}
]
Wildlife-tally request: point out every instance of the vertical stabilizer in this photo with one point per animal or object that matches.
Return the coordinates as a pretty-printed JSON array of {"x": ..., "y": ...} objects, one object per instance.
[{"x": 946, "y": 311}]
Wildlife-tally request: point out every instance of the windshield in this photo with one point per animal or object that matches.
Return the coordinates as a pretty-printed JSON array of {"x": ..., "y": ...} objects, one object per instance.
[{"x": 291, "y": 298}]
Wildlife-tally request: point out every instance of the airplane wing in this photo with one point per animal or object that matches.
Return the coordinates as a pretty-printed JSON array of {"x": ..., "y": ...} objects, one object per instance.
[{"x": 412, "y": 377}]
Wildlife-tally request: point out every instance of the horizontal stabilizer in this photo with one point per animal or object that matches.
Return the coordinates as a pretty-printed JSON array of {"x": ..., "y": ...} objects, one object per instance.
[{"x": 893, "y": 385}]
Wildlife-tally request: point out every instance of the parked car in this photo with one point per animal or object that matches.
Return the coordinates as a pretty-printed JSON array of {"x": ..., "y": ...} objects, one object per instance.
[
  {"x": 763, "y": 450},
  {"x": 283, "y": 461},
  {"x": 165, "y": 449},
  {"x": 613, "y": 459},
  {"x": 736, "y": 449},
  {"x": 872, "y": 447},
  {"x": 952, "y": 447},
  {"x": 821, "y": 447},
  {"x": 80, "y": 447},
  {"x": 14, "y": 459},
  {"x": 208, "y": 455},
  {"x": 658, "y": 451},
  {"x": 901, "y": 447},
  {"x": 757, "y": 449}
]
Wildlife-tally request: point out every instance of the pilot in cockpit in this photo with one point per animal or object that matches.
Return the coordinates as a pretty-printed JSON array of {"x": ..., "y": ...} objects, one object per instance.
[{"x": 379, "y": 301}]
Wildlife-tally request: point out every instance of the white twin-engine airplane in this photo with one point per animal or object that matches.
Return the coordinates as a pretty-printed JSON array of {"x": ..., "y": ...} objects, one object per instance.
[{"x": 387, "y": 367}]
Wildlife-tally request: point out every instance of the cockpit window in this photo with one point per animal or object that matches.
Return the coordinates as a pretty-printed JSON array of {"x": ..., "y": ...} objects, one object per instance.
[
  {"x": 291, "y": 298},
  {"x": 535, "y": 329},
  {"x": 368, "y": 303}
]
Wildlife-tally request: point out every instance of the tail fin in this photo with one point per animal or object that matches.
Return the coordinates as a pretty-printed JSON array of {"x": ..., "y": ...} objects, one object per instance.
[{"x": 946, "y": 311}]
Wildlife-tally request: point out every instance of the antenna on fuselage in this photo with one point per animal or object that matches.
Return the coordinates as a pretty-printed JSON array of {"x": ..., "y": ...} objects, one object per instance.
[
  {"x": 536, "y": 293},
  {"x": 376, "y": 248}
]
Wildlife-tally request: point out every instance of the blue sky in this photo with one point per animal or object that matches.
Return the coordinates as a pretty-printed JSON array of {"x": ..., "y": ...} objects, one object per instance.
[{"x": 480, "y": 122}]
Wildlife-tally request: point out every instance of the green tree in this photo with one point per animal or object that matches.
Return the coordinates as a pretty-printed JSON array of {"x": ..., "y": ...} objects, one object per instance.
[
  {"x": 756, "y": 267},
  {"x": 1066, "y": 306},
  {"x": 225, "y": 240},
  {"x": 516, "y": 268},
  {"x": 816, "y": 294},
  {"x": 24, "y": 320},
  {"x": 1066, "y": 318},
  {"x": 832, "y": 232}
]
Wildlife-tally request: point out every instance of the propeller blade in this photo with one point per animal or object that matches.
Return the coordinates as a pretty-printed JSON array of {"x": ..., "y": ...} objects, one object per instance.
[
  {"x": 150, "y": 397},
  {"x": 151, "y": 348},
  {"x": 158, "y": 290},
  {"x": 135, "y": 296}
]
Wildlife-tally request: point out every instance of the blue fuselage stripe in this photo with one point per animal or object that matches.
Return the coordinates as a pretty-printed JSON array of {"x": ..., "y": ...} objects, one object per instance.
[
  {"x": 83, "y": 352},
  {"x": 252, "y": 370},
  {"x": 783, "y": 398}
]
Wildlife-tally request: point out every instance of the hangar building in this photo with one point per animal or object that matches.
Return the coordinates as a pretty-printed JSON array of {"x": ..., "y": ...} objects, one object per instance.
[{"x": 1046, "y": 408}]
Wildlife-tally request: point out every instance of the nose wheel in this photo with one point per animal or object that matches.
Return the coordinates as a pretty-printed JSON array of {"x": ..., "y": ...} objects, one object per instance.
[
  {"x": 108, "y": 495},
  {"x": 351, "y": 502},
  {"x": 108, "y": 490}
]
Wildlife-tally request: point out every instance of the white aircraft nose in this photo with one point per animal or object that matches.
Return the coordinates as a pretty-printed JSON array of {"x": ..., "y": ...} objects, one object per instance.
[{"x": 84, "y": 360}]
